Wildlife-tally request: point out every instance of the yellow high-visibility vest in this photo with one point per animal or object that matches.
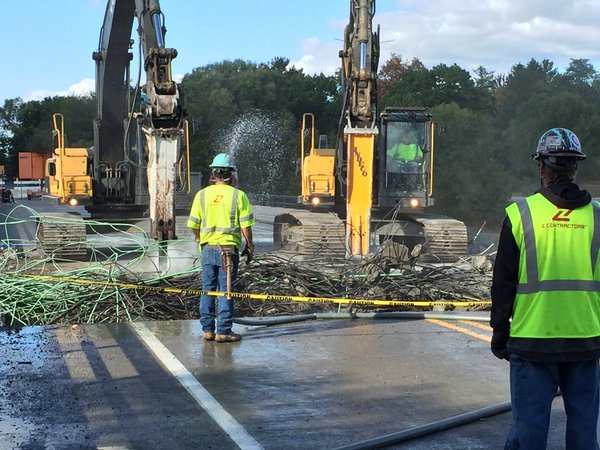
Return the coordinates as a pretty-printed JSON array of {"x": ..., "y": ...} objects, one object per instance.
[
  {"x": 405, "y": 152},
  {"x": 558, "y": 295},
  {"x": 219, "y": 212}
]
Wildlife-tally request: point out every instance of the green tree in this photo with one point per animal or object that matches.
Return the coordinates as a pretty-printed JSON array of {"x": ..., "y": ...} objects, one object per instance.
[
  {"x": 9, "y": 124},
  {"x": 581, "y": 71},
  {"x": 415, "y": 88},
  {"x": 454, "y": 84},
  {"x": 28, "y": 126},
  {"x": 535, "y": 98},
  {"x": 470, "y": 181},
  {"x": 441, "y": 85},
  {"x": 393, "y": 70},
  {"x": 217, "y": 95},
  {"x": 521, "y": 83}
]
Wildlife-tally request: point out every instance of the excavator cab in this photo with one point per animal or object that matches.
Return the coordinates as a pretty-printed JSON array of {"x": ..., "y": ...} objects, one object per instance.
[{"x": 405, "y": 158}]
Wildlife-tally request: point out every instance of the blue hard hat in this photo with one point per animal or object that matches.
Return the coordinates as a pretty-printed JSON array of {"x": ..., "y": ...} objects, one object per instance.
[{"x": 222, "y": 161}]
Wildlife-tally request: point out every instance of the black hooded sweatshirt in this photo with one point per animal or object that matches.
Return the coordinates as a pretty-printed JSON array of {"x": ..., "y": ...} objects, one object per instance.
[{"x": 504, "y": 289}]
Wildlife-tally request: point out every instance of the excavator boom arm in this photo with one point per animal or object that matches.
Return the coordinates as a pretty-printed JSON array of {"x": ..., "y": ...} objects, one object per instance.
[
  {"x": 158, "y": 127},
  {"x": 360, "y": 58}
]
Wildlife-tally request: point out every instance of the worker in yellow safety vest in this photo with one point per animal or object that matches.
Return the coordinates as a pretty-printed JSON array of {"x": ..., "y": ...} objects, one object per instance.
[
  {"x": 220, "y": 215},
  {"x": 402, "y": 147},
  {"x": 546, "y": 300}
]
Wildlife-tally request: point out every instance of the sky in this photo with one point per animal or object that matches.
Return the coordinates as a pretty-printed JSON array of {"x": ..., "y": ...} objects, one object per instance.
[{"x": 47, "y": 45}]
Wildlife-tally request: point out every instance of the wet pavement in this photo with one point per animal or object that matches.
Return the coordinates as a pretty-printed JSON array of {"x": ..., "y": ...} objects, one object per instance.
[{"x": 319, "y": 384}]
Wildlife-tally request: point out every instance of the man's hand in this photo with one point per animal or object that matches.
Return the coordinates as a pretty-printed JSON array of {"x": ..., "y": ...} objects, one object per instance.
[
  {"x": 500, "y": 353},
  {"x": 248, "y": 252},
  {"x": 498, "y": 344}
]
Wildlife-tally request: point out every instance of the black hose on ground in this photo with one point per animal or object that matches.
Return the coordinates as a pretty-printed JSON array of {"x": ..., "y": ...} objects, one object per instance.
[
  {"x": 268, "y": 321},
  {"x": 411, "y": 433},
  {"x": 433, "y": 427},
  {"x": 430, "y": 428}
]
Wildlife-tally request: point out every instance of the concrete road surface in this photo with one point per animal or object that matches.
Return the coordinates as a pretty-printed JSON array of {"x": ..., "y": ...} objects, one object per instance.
[{"x": 307, "y": 385}]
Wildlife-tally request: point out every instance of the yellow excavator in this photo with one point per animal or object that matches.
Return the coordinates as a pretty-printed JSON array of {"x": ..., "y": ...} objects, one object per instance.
[
  {"x": 378, "y": 180},
  {"x": 68, "y": 179},
  {"x": 68, "y": 182}
]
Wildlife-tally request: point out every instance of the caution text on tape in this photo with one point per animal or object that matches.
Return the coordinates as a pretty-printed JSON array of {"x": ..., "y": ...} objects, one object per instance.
[{"x": 267, "y": 297}]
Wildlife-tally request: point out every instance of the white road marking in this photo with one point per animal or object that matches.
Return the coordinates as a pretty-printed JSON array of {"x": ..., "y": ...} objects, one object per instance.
[{"x": 228, "y": 424}]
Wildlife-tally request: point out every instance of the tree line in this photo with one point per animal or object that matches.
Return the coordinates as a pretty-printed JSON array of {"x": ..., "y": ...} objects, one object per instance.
[{"x": 487, "y": 123}]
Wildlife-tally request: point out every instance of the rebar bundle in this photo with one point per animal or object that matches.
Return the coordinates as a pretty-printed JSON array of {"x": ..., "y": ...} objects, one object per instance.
[{"x": 112, "y": 286}]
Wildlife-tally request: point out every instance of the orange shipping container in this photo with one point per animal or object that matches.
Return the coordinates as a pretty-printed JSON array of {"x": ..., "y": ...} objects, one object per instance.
[{"x": 32, "y": 165}]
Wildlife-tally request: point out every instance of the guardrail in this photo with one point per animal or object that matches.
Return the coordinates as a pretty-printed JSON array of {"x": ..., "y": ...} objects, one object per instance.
[
  {"x": 20, "y": 188},
  {"x": 284, "y": 201}
]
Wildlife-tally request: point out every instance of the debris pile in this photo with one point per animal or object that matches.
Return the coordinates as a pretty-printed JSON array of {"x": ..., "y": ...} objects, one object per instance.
[
  {"x": 99, "y": 297},
  {"x": 379, "y": 277}
]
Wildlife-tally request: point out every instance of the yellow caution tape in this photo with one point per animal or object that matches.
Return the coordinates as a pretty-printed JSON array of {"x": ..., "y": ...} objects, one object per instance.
[{"x": 267, "y": 297}]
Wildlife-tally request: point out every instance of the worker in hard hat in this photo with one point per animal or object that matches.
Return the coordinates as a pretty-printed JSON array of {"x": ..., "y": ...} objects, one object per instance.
[
  {"x": 220, "y": 215},
  {"x": 402, "y": 146},
  {"x": 546, "y": 300}
]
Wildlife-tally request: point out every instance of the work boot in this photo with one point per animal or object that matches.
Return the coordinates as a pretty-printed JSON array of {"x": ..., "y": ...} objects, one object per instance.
[
  {"x": 231, "y": 337},
  {"x": 209, "y": 336}
]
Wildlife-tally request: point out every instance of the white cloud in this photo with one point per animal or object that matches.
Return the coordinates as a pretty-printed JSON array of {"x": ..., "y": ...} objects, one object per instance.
[
  {"x": 79, "y": 89},
  {"x": 83, "y": 87},
  {"x": 496, "y": 34},
  {"x": 318, "y": 57},
  {"x": 38, "y": 94},
  {"x": 493, "y": 33}
]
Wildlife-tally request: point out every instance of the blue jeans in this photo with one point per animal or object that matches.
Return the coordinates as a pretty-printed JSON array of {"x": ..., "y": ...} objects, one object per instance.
[
  {"x": 533, "y": 387},
  {"x": 214, "y": 278}
]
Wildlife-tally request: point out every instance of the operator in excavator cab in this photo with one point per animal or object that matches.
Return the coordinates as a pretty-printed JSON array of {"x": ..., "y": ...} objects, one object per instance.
[
  {"x": 404, "y": 158},
  {"x": 220, "y": 215},
  {"x": 404, "y": 153}
]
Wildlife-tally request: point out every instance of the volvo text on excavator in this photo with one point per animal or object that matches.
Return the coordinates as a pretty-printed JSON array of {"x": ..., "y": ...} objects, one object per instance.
[
  {"x": 139, "y": 163},
  {"x": 378, "y": 178}
]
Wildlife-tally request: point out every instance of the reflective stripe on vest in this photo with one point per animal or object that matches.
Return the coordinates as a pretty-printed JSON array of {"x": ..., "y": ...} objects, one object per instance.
[
  {"x": 233, "y": 228},
  {"x": 534, "y": 284},
  {"x": 558, "y": 294}
]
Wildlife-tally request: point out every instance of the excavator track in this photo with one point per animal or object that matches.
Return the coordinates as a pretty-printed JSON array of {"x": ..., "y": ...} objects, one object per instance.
[
  {"x": 62, "y": 235},
  {"x": 442, "y": 239},
  {"x": 310, "y": 233},
  {"x": 445, "y": 239}
]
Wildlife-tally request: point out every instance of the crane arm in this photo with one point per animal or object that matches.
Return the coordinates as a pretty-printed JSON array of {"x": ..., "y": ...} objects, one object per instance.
[
  {"x": 360, "y": 58},
  {"x": 357, "y": 128},
  {"x": 161, "y": 91},
  {"x": 112, "y": 60}
]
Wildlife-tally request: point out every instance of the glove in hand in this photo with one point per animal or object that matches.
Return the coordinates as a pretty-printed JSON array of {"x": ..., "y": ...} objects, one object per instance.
[
  {"x": 500, "y": 353},
  {"x": 249, "y": 253}
]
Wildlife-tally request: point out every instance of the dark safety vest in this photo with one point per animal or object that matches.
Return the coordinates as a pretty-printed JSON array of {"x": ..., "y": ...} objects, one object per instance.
[{"x": 558, "y": 295}]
